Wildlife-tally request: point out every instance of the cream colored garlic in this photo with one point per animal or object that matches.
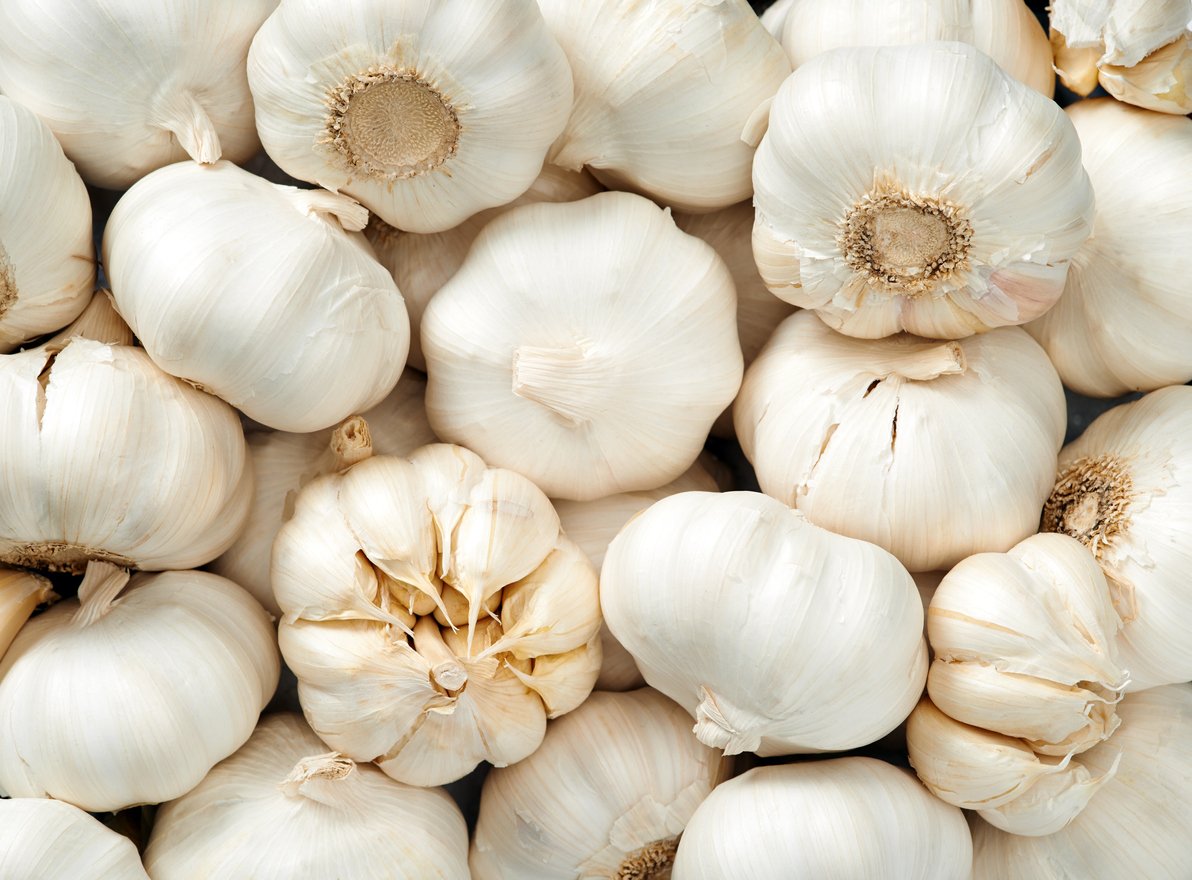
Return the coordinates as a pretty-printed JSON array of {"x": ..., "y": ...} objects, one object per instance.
[
  {"x": 1125, "y": 320},
  {"x": 587, "y": 345},
  {"x": 917, "y": 188},
  {"x": 20, "y": 593},
  {"x": 426, "y": 112},
  {"x": 129, "y": 87},
  {"x": 258, "y": 293},
  {"x": 932, "y": 450},
  {"x": 847, "y": 817},
  {"x": 434, "y": 614},
  {"x": 129, "y": 697},
  {"x": 669, "y": 95},
  {"x": 283, "y": 808},
  {"x": 42, "y": 839}
]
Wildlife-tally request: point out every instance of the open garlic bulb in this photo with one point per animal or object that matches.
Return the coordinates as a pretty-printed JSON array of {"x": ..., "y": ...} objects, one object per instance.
[
  {"x": 20, "y": 593},
  {"x": 257, "y": 293},
  {"x": 434, "y": 613},
  {"x": 426, "y": 112},
  {"x": 917, "y": 188},
  {"x": 283, "y": 808},
  {"x": 50, "y": 840}
]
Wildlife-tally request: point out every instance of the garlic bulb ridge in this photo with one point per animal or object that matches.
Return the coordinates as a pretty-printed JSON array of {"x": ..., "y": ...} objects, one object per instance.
[{"x": 50, "y": 840}]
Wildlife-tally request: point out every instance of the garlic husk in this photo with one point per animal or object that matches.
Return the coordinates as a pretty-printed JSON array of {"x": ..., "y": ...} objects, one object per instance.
[
  {"x": 425, "y": 112},
  {"x": 846, "y": 817},
  {"x": 50, "y": 840},
  {"x": 106, "y": 457},
  {"x": 668, "y": 95},
  {"x": 20, "y": 593},
  {"x": 283, "y": 807},
  {"x": 933, "y": 450},
  {"x": 98, "y": 321},
  {"x": 778, "y": 637},
  {"x": 917, "y": 188},
  {"x": 128, "y": 697},
  {"x": 1125, "y": 320},
  {"x": 643, "y": 776},
  {"x": 261, "y": 294},
  {"x": 774, "y": 18},
  {"x": 587, "y": 345},
  {"x": 128, "y": 88}
]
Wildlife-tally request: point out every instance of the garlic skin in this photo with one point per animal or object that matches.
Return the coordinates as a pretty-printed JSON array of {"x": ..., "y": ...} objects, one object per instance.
[
  {"x": 847, "y": 817},
  {"x": 862, "y": 436},
  {"x": 426, "y": 112},
  {"x": 587, "y": 345},
  {"x": 20, "y": 594},
  {"x": 283, "y": 808},
  {"x": 644, "y": 775},
  {"x": 681, "y": 130},
  {"x": 128, "y": 88},
  {"x": 50, "y": 840},
  {"x": 775, "y": 16},
  {"x": 1124, "y": 321},
  {"x": 258, "y": 293},
  {"x": 98, "y": 321},
  {"x": 880, "y": 228},
  {"x": 91, "y": 692}
]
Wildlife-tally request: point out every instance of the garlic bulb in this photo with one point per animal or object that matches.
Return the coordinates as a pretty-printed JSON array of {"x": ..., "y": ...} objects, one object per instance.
[
  {"x": 116, "y": 700},
  {"x": 283, "y": 808},
  {"x": 1125, "y": 320},
  {"x": 434, "y": 614},
  {"x": 643, "y": 776},
  {"x": 932, "y": 450},
  {"x": 669, "y": 95},
  {"x": 20, "y": 593},
  {"x": 778, "y": 637},
  {"x": 128, "y": 87},
  {"x": 917, "y": 188},
  {"x": 426, "y": 112},
  {"x": 587, "y": 345},
  {"x": 848, "y": 817},
  {"x": 50, "y": 840},
  {"x": 1124, "y": 490},
  {"x": 257, "y": 293},
  {"x": 106, "y": 457},
  {"x": 774, "y": 18},
  {"x": 98, "y": 321}
]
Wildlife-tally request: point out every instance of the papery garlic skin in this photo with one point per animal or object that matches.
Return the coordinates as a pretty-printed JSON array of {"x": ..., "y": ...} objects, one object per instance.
[
  {"x": 128, "y": 88},
  {"x": 50, "y": 840},
  {"x": 260, "y": 294},
  {"x": 881, "y": 228},
  {"x": 20, "y": 593},
  {"x": 846, "y": 817},
  {"x": 933, "y": 450},
  {"x": 281, "y": 807},
  {"x": 774, "y": 18},
  {"x": 669, "y": 95},
  {"x": 98, "y": 321}
]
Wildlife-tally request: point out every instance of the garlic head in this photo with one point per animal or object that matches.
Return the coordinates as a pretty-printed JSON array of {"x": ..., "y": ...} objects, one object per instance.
[{"x": 50, "y": 840}]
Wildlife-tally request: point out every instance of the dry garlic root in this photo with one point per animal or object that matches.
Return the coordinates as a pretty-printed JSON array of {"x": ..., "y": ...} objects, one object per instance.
[{"x": 50, "y": 840}]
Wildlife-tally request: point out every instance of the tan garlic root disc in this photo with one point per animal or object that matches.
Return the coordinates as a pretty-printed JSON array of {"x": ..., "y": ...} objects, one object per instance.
[{"x": 50, "y": 840}]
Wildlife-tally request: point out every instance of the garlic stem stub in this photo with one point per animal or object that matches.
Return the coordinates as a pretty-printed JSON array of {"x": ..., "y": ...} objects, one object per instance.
[
  {"x": 20, "y": 594},
  {"x": 50, "y": 840}
]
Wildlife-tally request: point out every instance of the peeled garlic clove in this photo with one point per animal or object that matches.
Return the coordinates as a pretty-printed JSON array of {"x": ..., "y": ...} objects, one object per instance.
[
  {"x": 20, "y": 593},
  {"x": 51, "y": 840}
]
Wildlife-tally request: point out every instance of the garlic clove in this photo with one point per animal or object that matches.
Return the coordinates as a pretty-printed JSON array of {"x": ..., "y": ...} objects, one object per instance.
[
  {"x": 51, "y": 840},
  {"x": 564, "y": 680},
  {"x": 20, "y": 594}
]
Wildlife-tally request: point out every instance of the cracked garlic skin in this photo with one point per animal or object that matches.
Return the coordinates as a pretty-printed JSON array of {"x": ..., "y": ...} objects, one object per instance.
[
  {"x": 434, "y": 613},
  {"x": 917, "y": 188},
  {"x": 933, "y": 450},
  {"x": 43, "y": 839}
]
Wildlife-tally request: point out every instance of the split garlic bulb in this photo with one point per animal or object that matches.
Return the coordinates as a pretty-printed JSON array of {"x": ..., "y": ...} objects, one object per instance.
[
  {"x": 917, "y": 188},
  {"x": 20, "y": 593},
  {"x": 426, "y": 112},
  {"x": 282, "y": 808},
  {"x": 668, "y": 94},
  {"x": 587, "y": 345},
  {"x": 129, "y": 87},
  {"x": 778, "y": 637},
  {"x": 847, "y": 817},
  {"x": 434, "y": 614},
  {"x": 257, "y": 293},
  {"x": 50, "y": 840},
  {"x": 106, "y": 457},
  {"x": 125, "y": 698},
  {"x": 932, "y": 450},
  {"x": 1125, "y": 320},
  {"x": 643, "y": 776}
]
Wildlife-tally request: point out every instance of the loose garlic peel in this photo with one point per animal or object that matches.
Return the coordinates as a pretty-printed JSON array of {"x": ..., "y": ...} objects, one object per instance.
[
  {"x": 20, "y": 593},
  {"x": 50, "y": 840}
]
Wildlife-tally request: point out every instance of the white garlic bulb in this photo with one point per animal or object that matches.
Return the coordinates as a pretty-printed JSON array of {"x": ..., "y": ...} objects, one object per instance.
[
  {"x": 283, "y": 808},
  {"x": 774, "y": 18},
  {"x": 125, "y": 698},
  {"x": 433, "y": 612},
  {"x": 778, "y": 637},
  {"x": 98, "y": 321},
  {"x": 932, "y": 450},
  {"x": 917, "y": 188},
  {"x": 106, "y": 457},
  {"x": 257, "y": 293},
  {"x": 644, "y": 775},
  {"x": 1124, "y": 322},
  {"x": 848, "y": 817},
  {"x": 669, "y": 95},
  {"x": 20, "y": 593},
  {"x": 50, "y": 840},
  {"x": 426, "y": 112},
  {"x": 587, "y": 345},
  {"x": 129, "y": 87}
]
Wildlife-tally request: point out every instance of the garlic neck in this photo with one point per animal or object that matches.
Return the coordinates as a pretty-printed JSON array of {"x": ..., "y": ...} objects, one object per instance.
[
  {"x": 101, "y": 585},
  {"x": 570, "y": 381},
  {"x": 351, "y": 443},
  {"x": 321, "y": 204},
  {"x": 180, "y": 113},
  {"x": 329, "y": 767},
  {"x": 714, "y": 728},
  {"x": 447, "y": 673},
  {"x": 652, "y": 862}
]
